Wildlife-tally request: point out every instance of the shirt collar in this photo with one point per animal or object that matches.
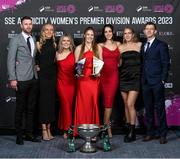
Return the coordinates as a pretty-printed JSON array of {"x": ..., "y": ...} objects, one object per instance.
[
  {"x": 25, "y": 35},
  {"x": 151, "y": 41}
]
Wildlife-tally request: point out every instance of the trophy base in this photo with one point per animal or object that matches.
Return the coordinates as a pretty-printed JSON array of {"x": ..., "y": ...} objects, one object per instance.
[{"x": 88, "y": 148}]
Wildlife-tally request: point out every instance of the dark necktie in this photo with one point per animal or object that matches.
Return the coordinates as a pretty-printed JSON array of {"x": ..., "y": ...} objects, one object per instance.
[
  {"x": 29, "y": 44},
  {"x": 148, "y": 46}
]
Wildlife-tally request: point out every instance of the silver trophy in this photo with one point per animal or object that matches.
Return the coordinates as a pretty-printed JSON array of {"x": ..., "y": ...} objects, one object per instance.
[{"x": 87, "y": 132}]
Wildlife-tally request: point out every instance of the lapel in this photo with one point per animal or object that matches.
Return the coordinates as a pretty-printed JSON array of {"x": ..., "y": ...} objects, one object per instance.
[
  {"x": 142, "y": 49},
  {"x": 23, "y": 42},
  {"x": 34, "y": 51}
]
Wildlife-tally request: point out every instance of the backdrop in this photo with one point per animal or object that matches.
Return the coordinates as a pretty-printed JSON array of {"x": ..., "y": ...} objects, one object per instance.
[{"x": 73, "y": 16}]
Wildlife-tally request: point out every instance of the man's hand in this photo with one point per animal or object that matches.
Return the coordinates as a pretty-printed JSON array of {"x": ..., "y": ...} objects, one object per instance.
[
  {"x": 78, "y": 75},
  {"x": 37, "y": 68},
  {"x": 13, "y": 84},
  {"x": 97, "y": 75}
]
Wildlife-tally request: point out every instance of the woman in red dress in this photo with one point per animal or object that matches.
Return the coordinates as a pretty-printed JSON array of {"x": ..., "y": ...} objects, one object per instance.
[
  {"x": 86, "y": 107},
  {"x": 109, "y": 74},
  {"x": 65, "y": 81}
]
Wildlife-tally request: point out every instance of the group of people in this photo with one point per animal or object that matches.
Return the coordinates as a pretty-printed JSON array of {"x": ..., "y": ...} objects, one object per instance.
[{"x": 37, "y": 69}]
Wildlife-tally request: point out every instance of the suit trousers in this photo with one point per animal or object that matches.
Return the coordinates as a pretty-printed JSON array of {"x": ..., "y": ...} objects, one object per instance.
[
  {"x": 154, "y": 101},
  {"x": 26, "y": 101}
]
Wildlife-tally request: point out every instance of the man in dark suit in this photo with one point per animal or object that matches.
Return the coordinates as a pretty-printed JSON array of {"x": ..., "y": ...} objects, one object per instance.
[
  {"x": 156, "y": 62},
  {"x": 23, "y": 78}
]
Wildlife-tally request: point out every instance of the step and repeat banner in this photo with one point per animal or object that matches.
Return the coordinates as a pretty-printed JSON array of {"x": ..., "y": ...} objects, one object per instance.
[{"x": 72, "y": 16}]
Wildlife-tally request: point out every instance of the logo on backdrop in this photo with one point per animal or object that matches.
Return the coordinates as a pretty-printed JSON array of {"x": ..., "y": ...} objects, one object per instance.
[
  {"x": 163, "y": 8},
  {"x": 59, "y": 33},
  {"x": 65, "y": 8},
  {"x": 78, "y": 35},
  {"x": 119, "y": 8},
  {"x": 141, "y": 8},
  {"x": 168, "y": 85},
  {"x": 94, "y": 9},
  {"x": 10, "y": 99},
  {"x": 12, "y": 34},
  {"x": 166, "y": 33},
  {"x": 170, "y": 47},
  {"x": 46, "y": 9},
  {"x": 160, "y": 8},
  {"x": 172, "y": 104},
  {"x": 10, "y": 4},
  {"x": 119, "y": 33}
]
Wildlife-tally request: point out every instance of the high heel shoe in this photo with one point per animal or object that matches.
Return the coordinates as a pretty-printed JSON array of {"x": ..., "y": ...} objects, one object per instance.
[
  {"x": 49, "y": 134},
  {"x": 131, "y": 135},
  {"x": 45, "y": 135}
]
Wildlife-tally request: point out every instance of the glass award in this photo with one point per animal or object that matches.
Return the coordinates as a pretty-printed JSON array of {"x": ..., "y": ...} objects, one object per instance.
[
  {"x": 97, "y": 65},
  {"x": 80, "y": 66}
]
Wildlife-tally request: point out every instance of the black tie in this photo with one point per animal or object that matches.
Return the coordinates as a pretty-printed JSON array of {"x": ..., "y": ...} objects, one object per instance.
[
  {"x": 29, "y": 44},
  {"x": 148, "y": 46}
]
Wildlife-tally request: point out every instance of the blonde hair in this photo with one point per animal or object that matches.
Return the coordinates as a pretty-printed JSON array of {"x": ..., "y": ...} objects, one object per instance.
[
  {"x": 42, "y": 39},
  {"x": 134, "y": 39},
  {"x": 60, "y": 48},
  {"x": 94, "y": 44}
]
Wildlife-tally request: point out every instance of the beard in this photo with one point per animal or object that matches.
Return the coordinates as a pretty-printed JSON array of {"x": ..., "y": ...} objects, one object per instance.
[{"x": 27, "y": 31}]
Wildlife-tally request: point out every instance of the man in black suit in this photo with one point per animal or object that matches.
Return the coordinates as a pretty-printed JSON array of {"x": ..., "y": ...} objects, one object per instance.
[
  {"x": 156, "y": 62},
  {"x": 23, "y": 78}
]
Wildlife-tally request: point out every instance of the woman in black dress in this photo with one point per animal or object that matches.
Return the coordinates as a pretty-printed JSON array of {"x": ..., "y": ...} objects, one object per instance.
[
  {"x": 47, "y": 79},
  {"x": 130, "y": 78}
]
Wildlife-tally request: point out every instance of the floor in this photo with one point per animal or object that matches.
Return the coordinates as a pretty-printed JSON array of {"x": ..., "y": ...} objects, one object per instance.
[{"x": 57, "y": 148}]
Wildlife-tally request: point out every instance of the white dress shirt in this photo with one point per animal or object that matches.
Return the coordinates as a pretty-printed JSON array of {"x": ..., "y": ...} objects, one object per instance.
[
  {"x": 31, "y": 40},
  {"x": 150, "y": 41}
]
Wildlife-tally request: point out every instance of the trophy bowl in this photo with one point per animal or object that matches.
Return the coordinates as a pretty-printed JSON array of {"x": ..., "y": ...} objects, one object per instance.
[{"x": 87, "y": 132}]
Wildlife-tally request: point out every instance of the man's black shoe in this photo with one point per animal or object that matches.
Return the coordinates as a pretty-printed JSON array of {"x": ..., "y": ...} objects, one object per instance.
[
  {"x": 163, "y": 140},
  {"x": 19, "y": 140},
  {"x": 149, "y": 138}
]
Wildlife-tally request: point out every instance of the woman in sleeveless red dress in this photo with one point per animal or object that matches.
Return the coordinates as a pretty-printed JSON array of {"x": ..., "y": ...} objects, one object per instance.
[
  {"x": 86, "y": 107},
  {"x": 109, "y": 74},
  {"x": 65, "y": 81}
]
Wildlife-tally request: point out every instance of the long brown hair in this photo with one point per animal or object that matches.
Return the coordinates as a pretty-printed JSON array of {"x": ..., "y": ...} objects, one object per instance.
[
  {"x": 94, "y": 44},
  {"x": 135, "y": 39},
  {"x": 42, "y": 39}
]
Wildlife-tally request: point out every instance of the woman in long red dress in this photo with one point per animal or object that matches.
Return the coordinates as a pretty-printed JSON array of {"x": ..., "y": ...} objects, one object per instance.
[
  {"x": 65, "y": 81},
  {"x": 109, "y": 74},
  {"x": 87, "y": 98}
]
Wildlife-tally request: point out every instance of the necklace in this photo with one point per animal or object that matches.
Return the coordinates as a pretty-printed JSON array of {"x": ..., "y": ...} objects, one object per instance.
[{"x": 89, "y": 48}]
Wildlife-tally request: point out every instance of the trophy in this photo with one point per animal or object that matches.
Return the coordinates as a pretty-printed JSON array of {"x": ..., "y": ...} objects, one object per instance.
[{"x": 87, "y": 132}]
